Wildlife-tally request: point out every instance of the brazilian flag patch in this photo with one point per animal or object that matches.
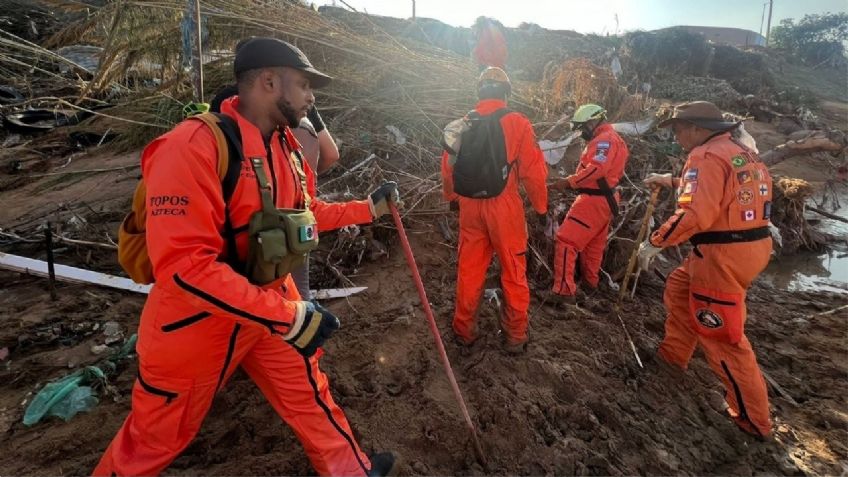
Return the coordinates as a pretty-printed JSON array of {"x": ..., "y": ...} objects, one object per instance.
[{"x": 738, "y": 161}]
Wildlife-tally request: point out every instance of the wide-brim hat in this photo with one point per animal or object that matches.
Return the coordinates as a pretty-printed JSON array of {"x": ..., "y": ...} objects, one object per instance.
[{"x": 700, "y": 113}]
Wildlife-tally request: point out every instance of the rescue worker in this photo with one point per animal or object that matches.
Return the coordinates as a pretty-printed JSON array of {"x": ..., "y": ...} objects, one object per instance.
[
  {"x": 583, "y": 234},
  {"x": 723, "y": 210},
  {"x": 203, "y": 318},
  {"x": 497, "y": 224},
  {"x": 320, "y": 153},
  {"x": 490, "y": 45}
]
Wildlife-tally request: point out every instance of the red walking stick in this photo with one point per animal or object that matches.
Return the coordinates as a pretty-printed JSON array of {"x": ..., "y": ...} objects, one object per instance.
[{"x": 416, "y": 277}]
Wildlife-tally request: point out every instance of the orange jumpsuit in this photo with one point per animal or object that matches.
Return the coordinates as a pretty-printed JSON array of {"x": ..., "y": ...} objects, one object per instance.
[
  {"x": 724, "y": 206},
  {"x": 583, "y": 233},
  {"x": 497, "y": 225},
  {"x": 202, "y": 319},
  {"x": 490, "y": 49}
]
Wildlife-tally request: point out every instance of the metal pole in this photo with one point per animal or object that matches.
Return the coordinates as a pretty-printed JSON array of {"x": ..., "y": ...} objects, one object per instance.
[
  {"x": 413, "y": 9},
  {"x": 768, "y": 25},
  {"x": 428, "y": 311},
  {"x": 51, "y": 272},
  {"x": 199, "y": 49}
]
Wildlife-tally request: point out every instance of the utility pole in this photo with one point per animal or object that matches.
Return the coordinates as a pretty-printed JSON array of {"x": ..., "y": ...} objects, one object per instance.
[
  {"x": 763, "y": 18},
  {"x": 768, "y": 25},
  {"x": 413, "y": 9}
]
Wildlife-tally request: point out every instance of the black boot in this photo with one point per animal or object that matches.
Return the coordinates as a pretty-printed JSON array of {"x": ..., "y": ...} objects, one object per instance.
[{"x": 382, "y": 464}]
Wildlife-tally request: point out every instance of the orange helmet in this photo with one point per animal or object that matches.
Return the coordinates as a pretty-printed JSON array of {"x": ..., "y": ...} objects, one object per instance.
[{"x": 493, "y": 74}]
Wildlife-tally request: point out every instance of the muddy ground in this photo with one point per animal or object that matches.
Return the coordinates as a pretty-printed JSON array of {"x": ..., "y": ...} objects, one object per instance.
[{"x": 576, "y": 403}]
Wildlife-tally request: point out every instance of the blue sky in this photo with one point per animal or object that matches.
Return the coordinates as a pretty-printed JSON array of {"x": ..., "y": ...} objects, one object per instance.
[{"x": 599, "y": 16}]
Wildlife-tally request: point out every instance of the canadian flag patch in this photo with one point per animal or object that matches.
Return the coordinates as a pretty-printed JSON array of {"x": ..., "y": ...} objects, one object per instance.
[{"x": 749, "y": 215}]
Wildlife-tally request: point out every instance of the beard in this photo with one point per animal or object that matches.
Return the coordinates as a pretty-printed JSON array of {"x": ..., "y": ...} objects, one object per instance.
[
  {"x": 290, "y": 114},
  {"x": 586, "y": 134}
]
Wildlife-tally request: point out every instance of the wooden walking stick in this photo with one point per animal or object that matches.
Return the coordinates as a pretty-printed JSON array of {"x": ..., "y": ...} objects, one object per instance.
[{"x": 643, "y": 232}]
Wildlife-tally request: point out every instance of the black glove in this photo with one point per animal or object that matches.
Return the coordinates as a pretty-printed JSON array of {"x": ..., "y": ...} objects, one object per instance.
[
  {"x": 380, "y": 198},
  {"x": 312, "y": 326},
  {"x": 315, "y": 119}
]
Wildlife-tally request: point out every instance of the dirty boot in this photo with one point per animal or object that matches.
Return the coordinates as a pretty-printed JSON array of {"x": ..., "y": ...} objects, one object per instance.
[
  {"x": 383, "y": 463},
  {"x": 557, "y": 301},
  {"x": 512, "y": 347}
]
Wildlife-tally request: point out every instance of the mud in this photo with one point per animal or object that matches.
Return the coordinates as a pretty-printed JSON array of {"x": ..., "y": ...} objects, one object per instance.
[{"x": 576, "y": 403}]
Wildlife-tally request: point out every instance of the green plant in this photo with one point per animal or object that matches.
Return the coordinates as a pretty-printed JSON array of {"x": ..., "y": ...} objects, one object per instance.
[{"x": 815, "y": 38}]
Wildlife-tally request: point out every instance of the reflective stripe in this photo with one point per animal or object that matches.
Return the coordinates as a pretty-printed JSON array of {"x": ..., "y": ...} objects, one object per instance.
[
  {"x": 228, "y": 308},
  {"x": 231, "y": 347},
  {"x": 579, "y": 222},
  {"x": 743, "y": 413},
  {"x": 329, "y": 414},
  {"x": 185, "y": 321}
]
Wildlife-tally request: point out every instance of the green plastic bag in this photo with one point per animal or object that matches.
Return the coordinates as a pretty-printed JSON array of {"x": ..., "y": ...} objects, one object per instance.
[
  {"x": 66, "y": 397},
  {"x": 71, "y": 394}
]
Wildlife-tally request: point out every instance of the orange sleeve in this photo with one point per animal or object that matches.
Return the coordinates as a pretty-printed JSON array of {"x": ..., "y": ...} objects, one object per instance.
[
  {"x": 334, "y": 215},
  {"x": 532, "y": 169},
  {"x": 185, "y": 216},
  {"x": 594, "y": 163},
  {"x": 447, "y": 179},
  {"x": 699, "y": 201}
]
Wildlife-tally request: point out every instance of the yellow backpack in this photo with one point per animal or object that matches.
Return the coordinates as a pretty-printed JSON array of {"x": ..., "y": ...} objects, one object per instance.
[{"x": 132, "y": 245}]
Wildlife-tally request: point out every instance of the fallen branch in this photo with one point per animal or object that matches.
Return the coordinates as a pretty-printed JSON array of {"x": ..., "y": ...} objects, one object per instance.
[
  {"x": 829, "y": 312},
  {"x": 540, "y": 259},
  {"x": 779, "y": 390},
  {"x": 827, "y": 214},
  {"x": 60, "y": 238},
  {"x": 806, "y": 142},
  {"x": 632, "y": 345},
  {"x": 87, "y": 171}
]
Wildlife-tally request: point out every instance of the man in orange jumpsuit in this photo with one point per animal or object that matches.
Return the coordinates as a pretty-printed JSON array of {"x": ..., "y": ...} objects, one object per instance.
[
  {"x": 724, "y": 206},
  {"x": 583, "y": 234},
  {"x": 496, "y": 224},
  {"x": 203, "y": 318},
  {"x": 490, "y": 49}
]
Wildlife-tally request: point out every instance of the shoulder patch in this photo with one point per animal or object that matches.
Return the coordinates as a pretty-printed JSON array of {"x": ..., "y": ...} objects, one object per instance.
[
  {"x": 603, "y": 145},
  {"x": 738, "y": 161},
  {"x": 691, "y": 175}
]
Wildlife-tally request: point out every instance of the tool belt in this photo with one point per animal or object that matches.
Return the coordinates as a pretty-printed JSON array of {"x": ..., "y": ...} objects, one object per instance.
[
  {"x": 730, "y": 236},
  {"x": 603, "y": 190},
  {"x": 278, "y": 239}
]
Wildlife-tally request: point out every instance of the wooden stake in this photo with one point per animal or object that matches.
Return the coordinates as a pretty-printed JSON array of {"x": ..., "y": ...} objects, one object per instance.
[{"x": 51, "y": 272}]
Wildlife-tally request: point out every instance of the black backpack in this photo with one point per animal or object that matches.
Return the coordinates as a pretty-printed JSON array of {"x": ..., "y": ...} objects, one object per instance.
[{"x": 481, "y": 170}]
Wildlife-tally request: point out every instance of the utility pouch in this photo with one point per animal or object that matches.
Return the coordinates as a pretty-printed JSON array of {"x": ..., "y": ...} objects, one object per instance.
[{"x": 278, "y": 239}]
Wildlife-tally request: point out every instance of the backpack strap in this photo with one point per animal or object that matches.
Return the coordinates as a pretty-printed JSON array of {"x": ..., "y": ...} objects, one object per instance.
[
  {"x": 230, "y": 158},
  {"x": 296, "y": 162}
]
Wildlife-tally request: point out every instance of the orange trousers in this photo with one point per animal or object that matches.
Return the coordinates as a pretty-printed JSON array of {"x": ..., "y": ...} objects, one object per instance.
[
  {"x": 488, "y": 226},
  {"x": 705, "y": 300},
  {"x": 582, "y": 236},
  {"x": 180, "y": 370}
]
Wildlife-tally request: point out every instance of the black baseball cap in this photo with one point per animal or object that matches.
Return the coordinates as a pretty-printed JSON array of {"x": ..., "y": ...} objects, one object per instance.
[{"x": 260, "y": 52}]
